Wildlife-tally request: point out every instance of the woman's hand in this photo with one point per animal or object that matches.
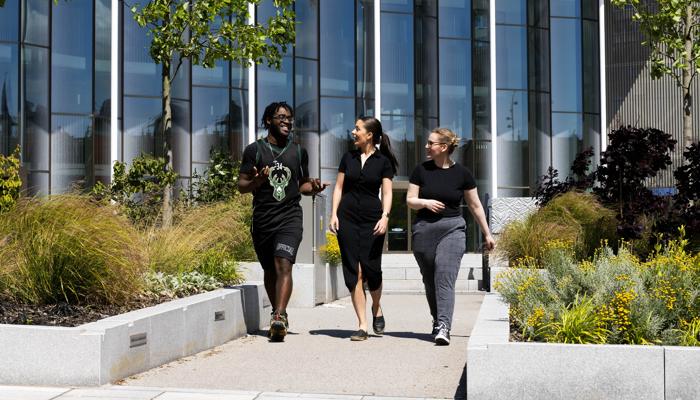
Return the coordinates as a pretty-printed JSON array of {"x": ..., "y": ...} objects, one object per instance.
[
  {"x": 333, "y": 225},
  {"x": 489, "y": 242},
  {"x": 380, "y": 227},
  {"x": 433, "y": 205}
]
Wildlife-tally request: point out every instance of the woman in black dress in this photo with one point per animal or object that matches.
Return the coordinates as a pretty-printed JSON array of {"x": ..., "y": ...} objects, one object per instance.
[{"x": 360, "y": 218}]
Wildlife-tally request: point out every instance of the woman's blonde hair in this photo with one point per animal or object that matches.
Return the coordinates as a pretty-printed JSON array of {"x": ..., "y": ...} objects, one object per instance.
[{"x": 448, "y": 137}]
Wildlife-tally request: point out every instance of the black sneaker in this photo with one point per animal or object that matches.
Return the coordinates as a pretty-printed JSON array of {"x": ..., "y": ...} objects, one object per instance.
[
  {"x": 443, "y": 336},
  {"x": 359, "y": 335},
  {"x": 436, "y": 329},
  {"x": 378, "y": 325},
  {"x": 278, "y": 328}
]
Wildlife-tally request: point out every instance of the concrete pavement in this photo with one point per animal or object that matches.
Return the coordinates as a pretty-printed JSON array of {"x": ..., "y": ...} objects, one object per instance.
[
  {"x": 318, "y": 356},
  {"x": 148, "y": 393}
]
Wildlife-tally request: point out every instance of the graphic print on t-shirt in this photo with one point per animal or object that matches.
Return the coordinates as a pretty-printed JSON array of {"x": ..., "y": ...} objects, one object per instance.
[{"x": 279, "y": 178}]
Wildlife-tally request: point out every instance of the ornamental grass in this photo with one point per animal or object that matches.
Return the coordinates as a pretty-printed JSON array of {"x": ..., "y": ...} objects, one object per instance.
[
  {"x": 68, "y": 249},
  {"x": 208, "y": 239},
  {"x": 573, "y": 217}
]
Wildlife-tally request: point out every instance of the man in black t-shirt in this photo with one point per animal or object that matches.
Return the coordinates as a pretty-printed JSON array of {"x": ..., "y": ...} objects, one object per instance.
[{"x": 275, "y": 170}]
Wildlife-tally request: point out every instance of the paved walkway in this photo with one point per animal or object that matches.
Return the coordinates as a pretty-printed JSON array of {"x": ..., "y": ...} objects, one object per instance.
[
  {"x": 318, "y": 356},
  {"x": 148, "y": 393},
  {"x": 317, "y": 361}
]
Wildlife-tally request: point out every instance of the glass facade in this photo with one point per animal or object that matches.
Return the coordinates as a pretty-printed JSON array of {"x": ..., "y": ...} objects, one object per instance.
[{"x": 56, "y": 83}]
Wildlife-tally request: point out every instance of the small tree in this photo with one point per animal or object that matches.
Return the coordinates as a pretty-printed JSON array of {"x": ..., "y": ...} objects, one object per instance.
[
  {"x": 10, "y": 181},
  {"x": 671, "y": 31},
  {"x": 205, "y": 31}
]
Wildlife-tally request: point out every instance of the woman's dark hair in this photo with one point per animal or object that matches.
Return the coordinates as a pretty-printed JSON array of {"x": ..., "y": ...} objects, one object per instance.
[
  {"x": 380, "y": 138},
  {"x": 271, "y": 109}
]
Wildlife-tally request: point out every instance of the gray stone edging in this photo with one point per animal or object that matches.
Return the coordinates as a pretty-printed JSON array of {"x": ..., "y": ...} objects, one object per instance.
[
  {"x": 116, "y": 347},
  {"x": 499, "y": 369}
]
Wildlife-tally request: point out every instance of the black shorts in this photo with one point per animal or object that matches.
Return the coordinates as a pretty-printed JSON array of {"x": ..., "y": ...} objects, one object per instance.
[{"x": 282, "y": 242}]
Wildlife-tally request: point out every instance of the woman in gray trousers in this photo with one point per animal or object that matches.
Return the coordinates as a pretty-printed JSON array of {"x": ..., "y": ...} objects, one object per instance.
[{"x": 436, "y": 189}]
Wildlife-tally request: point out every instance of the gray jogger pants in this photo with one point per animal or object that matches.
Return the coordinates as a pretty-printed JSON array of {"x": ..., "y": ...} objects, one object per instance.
[{"x": 438, "y": 248}]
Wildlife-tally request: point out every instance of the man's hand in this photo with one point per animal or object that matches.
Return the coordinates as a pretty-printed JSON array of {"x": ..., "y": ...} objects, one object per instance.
[
  {"x": 317, "y": 186},
  {"x": 260, "y": 177}
]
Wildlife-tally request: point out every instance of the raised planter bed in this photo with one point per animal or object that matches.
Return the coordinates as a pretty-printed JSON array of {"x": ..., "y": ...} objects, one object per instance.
[
  {"x": 499, "y": 369},
  {"x": 116, "y": 347}
]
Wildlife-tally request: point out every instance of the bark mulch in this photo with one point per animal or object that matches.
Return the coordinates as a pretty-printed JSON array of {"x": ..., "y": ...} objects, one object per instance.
[{"x": 64, "y": 314}]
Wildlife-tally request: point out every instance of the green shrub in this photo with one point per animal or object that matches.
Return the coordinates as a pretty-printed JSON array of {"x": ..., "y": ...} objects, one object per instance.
[
  {"x": 612, "y": 294},
  {"x": 219, "y": 182},
  {"x": 139, "y": 191},
  {"x": 159, "y": 285},
  {"x": 207, "y": 239},
  {"x": 330, "y": 252},
  {"x": 575, "y": 218},
  {"x": 10, "y": 181},
  {"x": 67, "y": 248}
]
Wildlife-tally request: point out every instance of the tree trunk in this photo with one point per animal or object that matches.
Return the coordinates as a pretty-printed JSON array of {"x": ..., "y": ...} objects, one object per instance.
[
  {"x": 687, "y": 77},
  {"x": 167, "y": 216}
]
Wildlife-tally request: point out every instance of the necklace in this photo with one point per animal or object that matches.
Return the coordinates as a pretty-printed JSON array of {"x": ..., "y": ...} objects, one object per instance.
[{"x": 274, "y": 157}]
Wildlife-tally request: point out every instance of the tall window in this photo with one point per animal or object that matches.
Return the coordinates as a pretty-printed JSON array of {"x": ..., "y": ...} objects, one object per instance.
[{"x": 512, "y": 99}]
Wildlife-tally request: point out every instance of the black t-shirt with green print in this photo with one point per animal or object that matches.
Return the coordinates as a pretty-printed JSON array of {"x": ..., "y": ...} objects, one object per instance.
[{"x": 278, "y": 197}]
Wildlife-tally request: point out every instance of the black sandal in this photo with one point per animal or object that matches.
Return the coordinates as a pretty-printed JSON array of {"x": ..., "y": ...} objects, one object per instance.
[{"x": 359, "y": 335}]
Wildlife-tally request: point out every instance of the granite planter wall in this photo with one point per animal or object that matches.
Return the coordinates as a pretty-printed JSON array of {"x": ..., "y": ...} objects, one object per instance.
[
  {"x": 116, "y": 347},
  {"x": 499, "y": 369}
]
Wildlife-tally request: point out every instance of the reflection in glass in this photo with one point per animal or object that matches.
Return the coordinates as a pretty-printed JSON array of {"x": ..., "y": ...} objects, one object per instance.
[
  {"x": 397, "y": 231},
  {"x": 567, "y": 134},
  {"x": 102, "y": 159},
  {"x": 310, "y": 141},
  {"x": 274, "y": 85},
  {"x": 9, "y": 98},
  {"x": 401, "y": 132},
  {"x": 209, "y": 122},
  {"x": 481, "y": 93},
  {"x": 9, "y": 20},
  {"x": 103, "y": 56},
  {"x": 38, "y": 183},
  {"x": 397, "y": 5},
  {"x": 513, "y": 154},
  {"x": 338, "y": 50},
  {"x": 566, "y": 65},
  {"x": 426, "y": 85},
  {"x": 540, "y": 140},
  {"x": 455, "y": 18},
  {"x": 511, "y": 12},
  {"x": 589, "y": 10},
  {"x": 365, "y": 54},
  {"x": 511, "y": 60},
  {"x": 141, "y": 74},
  {"x": 36, "y": 21},
  {"x": 71, "y": 59},
  {"x": 538, "y": 59},
  {"x": 71, "y": 152},
  {"x": 337, "y": 122},
  {"x": 239, "y": 76},
  {"x": 238, "y": 119},
  {"x": 35, "y": 65},
  {"x": 591, "y": 135},
  {"x": 180, "y": 83},
  {"x": 397, "y": 75},
  {"x": 566, "y": 8},
  {"x": 180, "y": 137},
  {"x": 141, "y": 124},
  {"x": 306, "y": 94},
  {"x": 538, "y": 14},
  {"x": 307, "y": 25},
  {"x": 455, "y": 87},
  {"x": 217, "y": 76},
  {"x": 591, "y": 64}
]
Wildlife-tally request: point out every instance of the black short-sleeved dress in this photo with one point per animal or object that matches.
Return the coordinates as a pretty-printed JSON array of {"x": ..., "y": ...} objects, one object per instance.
[{"x": 358, "y": 212}]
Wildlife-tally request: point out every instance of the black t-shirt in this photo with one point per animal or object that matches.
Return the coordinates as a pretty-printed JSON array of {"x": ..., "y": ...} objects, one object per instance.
[
  {"x": 362, "y": 184},
  {"x": 446, "y": 185},
  {"x": 278, "y": 197}
]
